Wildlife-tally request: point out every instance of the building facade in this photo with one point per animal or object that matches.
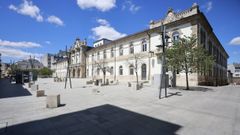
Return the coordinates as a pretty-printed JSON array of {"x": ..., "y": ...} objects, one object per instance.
[
  {"x": 78, "y": 58},
  {"x": 234, "y": 69},
  {"x": 47, "y": 60},
  {"x": 0, "y": 65},
  {"x": 5, "y": 69},
  {"x": 139, "y": 52},
  {"x": 29, "y": 64},
  {"x": 60, "y": 68}
]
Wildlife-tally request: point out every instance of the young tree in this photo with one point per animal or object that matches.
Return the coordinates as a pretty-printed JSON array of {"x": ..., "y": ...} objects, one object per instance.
[
  {"x": 186, "y": 55},
  {"x": 45, "y": 71},
  {"x": 101, "y": 65},
  {"x": 135, "y": 61}
]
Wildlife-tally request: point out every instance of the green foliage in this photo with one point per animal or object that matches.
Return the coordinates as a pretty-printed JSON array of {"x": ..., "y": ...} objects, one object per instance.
[
  {"x": 185, "y": 55},
  {"x": 45, "y": 71}
]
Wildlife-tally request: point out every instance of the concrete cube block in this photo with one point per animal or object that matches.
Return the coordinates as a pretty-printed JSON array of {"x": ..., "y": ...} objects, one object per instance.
[
  {"x": 53, "y": 101},
  {"x": 30, "y": 84},
  {"x": 40, "y": 93},
  {"x": 136, "y": 86},
  {"x": 89, "y": 82},
  {"x": 34, "y": 87},
  {"x": 129, "y": 84}
]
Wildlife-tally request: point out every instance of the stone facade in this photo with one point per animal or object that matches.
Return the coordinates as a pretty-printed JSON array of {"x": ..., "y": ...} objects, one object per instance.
[
  {"x": 29, "y": 64},
  {"x": 47, "y": 60},
  {"x": 234, "y": 70},
  {"x": 60, "y": 68},
  {"x": 139, "y": 52},
  {"x": 78, "y": 59}
]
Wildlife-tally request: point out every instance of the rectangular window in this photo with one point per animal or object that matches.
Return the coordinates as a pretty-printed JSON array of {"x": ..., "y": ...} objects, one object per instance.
[
  {"x": 237, "y": 67},
  {"x": 131, "y": 70},
  {"x": 120, "y": 50},
  {"x": 98, "y": 55},
  {"x": 203, "y": 38},
  {"x": 144, "y": 45},
  {"x": 210, "y": 47},
  {"x": 104, "y": 54},
  {"x": 112, "y": 52},
  {"x": 131, "y": 48}
]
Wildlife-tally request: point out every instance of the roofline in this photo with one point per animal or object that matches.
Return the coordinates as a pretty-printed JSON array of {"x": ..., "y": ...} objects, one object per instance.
[
  {"x": 211, "y": 29},
  {"x": 122, "y": 38},
  {"x": 102, "y": 39}
]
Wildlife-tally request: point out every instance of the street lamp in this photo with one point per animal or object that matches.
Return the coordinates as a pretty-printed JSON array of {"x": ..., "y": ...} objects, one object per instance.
[{"x": 163, "y": 71}]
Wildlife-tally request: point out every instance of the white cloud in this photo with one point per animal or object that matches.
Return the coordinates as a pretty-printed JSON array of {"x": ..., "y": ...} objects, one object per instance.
[
  {"x": 55, "y": 20},
  {"x": 27, "y": 8},
  {"x": 103, "y": 22},
  {"x": 208, "y": 6},
  {"x": 235, "y": 41},
  {"x": 17, "y": 54},
  {"x": 236, "y": 52},
  {"x": 48, "y": 42},
  {"x": 130, "y": 6},
  {"x": 19, "y": 44},
  {"x": 105, "y": 30},
  {"x": 102, "y": 5}
]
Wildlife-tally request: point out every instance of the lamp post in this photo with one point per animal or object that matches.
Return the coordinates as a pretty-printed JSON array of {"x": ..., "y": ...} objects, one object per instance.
[
  {"x": 68, "y": 56},
  {"x": 163, "y": 71}
]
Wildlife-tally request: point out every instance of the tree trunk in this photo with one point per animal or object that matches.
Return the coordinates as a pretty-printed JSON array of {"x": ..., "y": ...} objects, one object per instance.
[
  {"x": 104, "y": 76},
  {"x": 137, "y": 77},
  {"x": 186, "y": 71}
]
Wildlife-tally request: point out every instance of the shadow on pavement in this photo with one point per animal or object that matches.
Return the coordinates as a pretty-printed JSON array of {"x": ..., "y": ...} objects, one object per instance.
[
  {"x": 101, "y": 120},
  {"x": 203, "y": 89},
  {"x": 12, "y": 90},
  {"x": 174, "y": 94}
]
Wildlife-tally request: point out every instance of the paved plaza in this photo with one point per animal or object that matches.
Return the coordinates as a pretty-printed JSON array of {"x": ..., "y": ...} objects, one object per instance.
[{"x": 118, "y": 110}]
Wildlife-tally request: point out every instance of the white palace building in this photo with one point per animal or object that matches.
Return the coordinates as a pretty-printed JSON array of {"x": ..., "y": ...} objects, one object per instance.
[{"x": 118, "y": 56}]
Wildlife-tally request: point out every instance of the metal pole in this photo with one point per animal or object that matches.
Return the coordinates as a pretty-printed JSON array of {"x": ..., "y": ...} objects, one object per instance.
[
  {"x": 163, "y": 72},
  {"x": 68, "y": 54},
  {"x": 164, "y": 59},
  {"x": 67, "y": 70},
  {"x": 70, "y": 81}
]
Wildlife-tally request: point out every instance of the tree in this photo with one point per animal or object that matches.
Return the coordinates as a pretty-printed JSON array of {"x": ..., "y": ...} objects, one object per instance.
[
  {"x": 101, "y": 65},
  {"x": 45, "y": 71},
  {"x": 186, "y": 55},
  {"x": 135, "y": 61}
]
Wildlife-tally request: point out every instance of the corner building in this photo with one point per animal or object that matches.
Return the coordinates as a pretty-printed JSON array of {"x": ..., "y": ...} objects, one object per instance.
[{"x": 118, "y": 56}]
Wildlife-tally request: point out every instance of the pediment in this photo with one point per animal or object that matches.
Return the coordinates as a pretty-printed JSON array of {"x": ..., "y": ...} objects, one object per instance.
[{"x": 170, "y": 17}]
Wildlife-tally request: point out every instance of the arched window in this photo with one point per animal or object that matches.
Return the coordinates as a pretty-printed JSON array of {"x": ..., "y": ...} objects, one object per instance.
[
  {"x": 131, "y": 48},
  {"x": 144, "y": 45},
  {"x": 144, "y": 71},
  {"x": 111, "y": 70},
  {"x": 131, "y": 70},
  {"x": 120, "y": 70},
  {"x": 175, "y": 36}
]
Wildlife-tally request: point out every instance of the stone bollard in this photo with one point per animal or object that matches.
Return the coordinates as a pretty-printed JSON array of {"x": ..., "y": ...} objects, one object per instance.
[
  {"x": 30, "y": 84},
  {"x": 129, "y": 84},
  {"x": 40, "y": 93},
  {"x": 34, "y": 87},
  {"x": 136, "y": 86},
  {"x": 53, "y": 101},
  {"x": 100, "y": 83},
  {"x": 141, "y": 85}
]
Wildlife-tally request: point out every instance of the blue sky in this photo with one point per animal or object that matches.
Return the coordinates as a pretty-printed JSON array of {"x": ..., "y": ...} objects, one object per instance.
[{"x": 35, "y": 27}]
